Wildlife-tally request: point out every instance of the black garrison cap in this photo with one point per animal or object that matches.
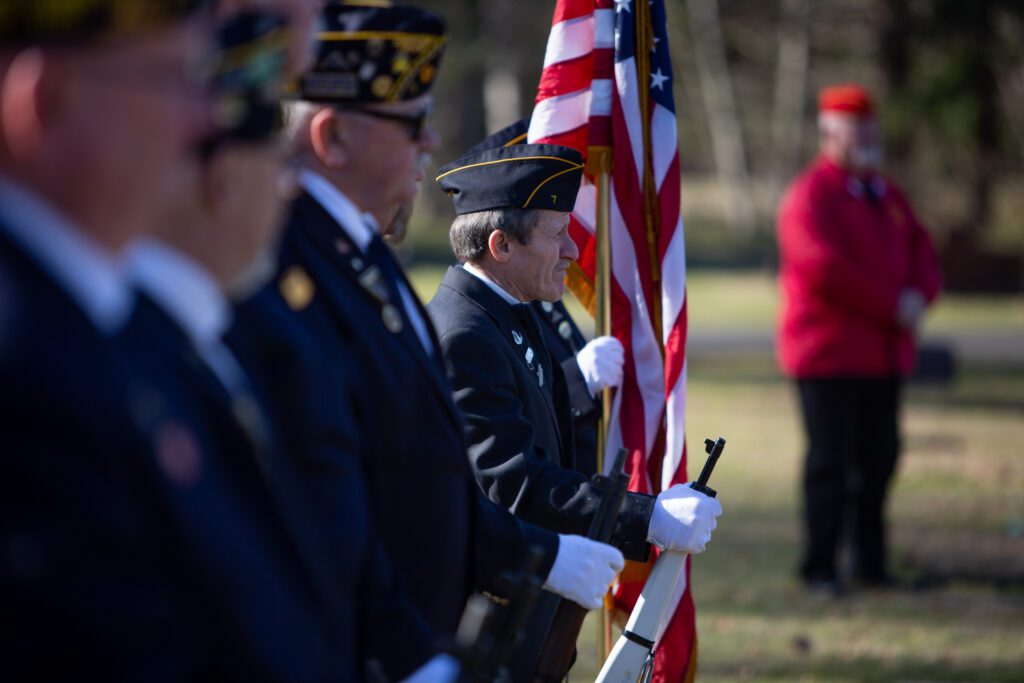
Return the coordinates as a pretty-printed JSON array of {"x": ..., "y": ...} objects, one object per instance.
[
  {"x": 514, "y": 177},
  {"x": 514, "y": 134},
  {"x": 34, "y": 22},
  {"x": 371, "y": 51},
  {"x": 253, "y": 52}
]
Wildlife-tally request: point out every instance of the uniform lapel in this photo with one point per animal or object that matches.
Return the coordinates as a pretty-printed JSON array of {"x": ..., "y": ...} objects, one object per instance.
[
  {"x": 556, "y": 317},
  {"x": 244, "y": 418},
  {"x": 521, "y": 334},
  {"x": 344, "y": 257}
]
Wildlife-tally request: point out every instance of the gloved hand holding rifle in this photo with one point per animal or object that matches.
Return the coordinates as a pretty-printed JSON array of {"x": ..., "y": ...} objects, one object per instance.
[{"x": 632, "y": 656}]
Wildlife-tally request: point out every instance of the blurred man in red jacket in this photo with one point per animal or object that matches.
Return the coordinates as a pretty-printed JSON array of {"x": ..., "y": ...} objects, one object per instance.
[{"x": 857, "y": 272}]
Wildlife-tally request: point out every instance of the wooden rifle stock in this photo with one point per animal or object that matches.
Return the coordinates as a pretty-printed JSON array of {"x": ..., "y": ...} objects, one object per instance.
[{"x": 560, "y": 647}]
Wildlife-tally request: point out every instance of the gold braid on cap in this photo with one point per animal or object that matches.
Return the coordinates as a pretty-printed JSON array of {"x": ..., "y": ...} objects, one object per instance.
[{"x": 41, "y": 20}]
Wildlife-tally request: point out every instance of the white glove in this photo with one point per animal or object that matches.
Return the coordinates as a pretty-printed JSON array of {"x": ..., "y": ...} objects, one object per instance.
[
  {"x": 600, "y": 362},
  {"x": 910, "y": 308},
  {"x": 583, "y": 570},
  {"x": 440, "y": 669},
  {"x": 683, "y": 519}
]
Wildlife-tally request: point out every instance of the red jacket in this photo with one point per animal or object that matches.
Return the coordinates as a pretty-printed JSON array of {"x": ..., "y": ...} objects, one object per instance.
[{"x": 844, "y": 261}]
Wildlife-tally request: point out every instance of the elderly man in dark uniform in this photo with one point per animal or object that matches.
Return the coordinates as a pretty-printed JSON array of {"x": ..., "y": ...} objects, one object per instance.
[
  {"x": 511, "y": 236},
  {"x": 589, "y": 366},
  {"x": 209, "y": 244},
  {"x": 360, "y": 130},
  {"x": 100, "y": 579},
  {"x": 264, "y": 395}
]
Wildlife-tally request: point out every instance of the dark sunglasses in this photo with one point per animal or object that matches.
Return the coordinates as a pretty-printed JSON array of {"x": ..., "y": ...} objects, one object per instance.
[{"x": 415, "y": 124}]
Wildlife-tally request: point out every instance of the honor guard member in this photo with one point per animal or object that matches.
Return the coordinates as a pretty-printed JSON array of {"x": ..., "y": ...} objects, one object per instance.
[
  {"x": 360, "y": 129},
  {"x": 510, "y": 234},
  {"x": 101, "y": 102},
  {"x": 284, "y": 597},
  {"x": 589, "y": 367},
  {"x": 216, "y": 240}
]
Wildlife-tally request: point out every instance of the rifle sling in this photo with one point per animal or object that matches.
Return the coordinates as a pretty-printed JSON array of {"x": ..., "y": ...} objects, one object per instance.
[{"x": 639, "y": 640}]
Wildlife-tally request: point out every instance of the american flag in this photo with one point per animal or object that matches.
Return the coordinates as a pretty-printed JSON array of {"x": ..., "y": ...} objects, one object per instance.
[{"x": 606, "y": 90}]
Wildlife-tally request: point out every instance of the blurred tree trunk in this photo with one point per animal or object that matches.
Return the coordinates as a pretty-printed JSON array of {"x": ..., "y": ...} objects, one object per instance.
[
  {"x": 895, "y": 44},
  {"x": 502, "y": 104},
  {"x": 723, "y": 116},
  {"x": 982, "y": 77},
  {"x": 792, "y": 70},
  {"x": 458, "y": 95}
]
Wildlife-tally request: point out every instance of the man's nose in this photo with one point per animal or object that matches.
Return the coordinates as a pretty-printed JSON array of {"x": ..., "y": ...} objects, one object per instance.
[
  {"x": 430, "y": 141},
  {"x": 569, "y": 249}
]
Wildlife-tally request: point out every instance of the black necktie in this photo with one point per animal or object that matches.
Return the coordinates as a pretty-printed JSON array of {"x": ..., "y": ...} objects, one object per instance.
[{"x": 381, "y": 257}]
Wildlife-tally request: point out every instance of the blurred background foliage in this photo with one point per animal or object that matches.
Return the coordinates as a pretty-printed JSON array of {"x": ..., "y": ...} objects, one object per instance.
[{"x": 948, "y": 74}]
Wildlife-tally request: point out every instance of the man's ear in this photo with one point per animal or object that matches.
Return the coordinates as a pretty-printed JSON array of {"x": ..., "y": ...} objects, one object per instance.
[
  {"x": 219, "y": 193},
  {"x": 24, "y": 103},
  {"x": 329, "y": 138},
  {"x": 499, "y": 246}
]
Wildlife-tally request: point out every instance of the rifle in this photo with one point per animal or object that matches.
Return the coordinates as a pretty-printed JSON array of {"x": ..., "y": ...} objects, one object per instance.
[
  {"x": 491, "y": 629},
  {"x": 632, "y": 658},
  {"x": 559, "y": 649}
]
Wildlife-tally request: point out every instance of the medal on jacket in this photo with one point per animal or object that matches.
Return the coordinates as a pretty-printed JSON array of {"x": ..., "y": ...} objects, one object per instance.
[
  {"x": 529, "y": 363},
  {"x": 372, "y": 282},
  {"x": 392, "y": 318}
]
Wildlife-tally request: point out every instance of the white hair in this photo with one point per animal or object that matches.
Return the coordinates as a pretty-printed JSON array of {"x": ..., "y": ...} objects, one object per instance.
[
  {"x": 834, "y": 121},
  {"x": 297, "y": 115}
]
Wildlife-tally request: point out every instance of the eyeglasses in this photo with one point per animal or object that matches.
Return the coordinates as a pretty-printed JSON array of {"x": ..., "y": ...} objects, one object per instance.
[{"x": 415, "y": 124}]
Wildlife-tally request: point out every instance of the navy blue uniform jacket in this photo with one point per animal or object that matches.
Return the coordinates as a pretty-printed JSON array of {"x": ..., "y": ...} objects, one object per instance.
[
  {"x": 518, "y": 420},
  {"x": 253, "y": 531},
  {"x": 113, "y": 514},
  {"x": 444, "y": 538},
  {"x": 312, "y": 402}
]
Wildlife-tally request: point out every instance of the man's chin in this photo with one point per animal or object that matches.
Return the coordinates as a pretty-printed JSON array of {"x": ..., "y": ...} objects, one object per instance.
[{"x": 554, "y": 294}]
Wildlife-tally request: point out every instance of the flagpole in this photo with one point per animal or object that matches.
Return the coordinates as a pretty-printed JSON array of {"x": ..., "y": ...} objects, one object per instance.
[{"x": 603, "y": 325}]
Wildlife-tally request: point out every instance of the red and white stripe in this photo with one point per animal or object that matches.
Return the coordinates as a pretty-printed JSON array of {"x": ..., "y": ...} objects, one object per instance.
[{"x": 587, "y": 98}]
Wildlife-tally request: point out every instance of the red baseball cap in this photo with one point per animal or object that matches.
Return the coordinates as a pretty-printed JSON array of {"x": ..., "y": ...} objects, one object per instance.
[{"x": 850, "y": 98}]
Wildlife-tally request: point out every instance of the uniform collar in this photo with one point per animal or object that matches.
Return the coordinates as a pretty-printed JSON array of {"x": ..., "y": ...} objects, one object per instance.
[
  {"x": 183, "y": 289},
  {"x": 495, "y": 287},
  {"x": 854, "y": 185},
  {"x": 86, "y": 270},
  {"x": 359, "y": 226},
  {"x": 859, "y": 188}
]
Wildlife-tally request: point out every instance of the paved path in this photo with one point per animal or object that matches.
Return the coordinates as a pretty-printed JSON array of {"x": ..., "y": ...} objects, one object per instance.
[{"x": 1002, "y": 347}]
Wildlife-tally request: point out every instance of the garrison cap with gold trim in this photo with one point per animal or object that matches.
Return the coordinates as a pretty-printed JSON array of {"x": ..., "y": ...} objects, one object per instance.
[
  {"x": 514, "y": 177},
  {"x": 372, "y": 51},
  {"x": 32, "y": 22},
  {"x": 513, "y": 134},
  {"x": 248, "y": 75}
]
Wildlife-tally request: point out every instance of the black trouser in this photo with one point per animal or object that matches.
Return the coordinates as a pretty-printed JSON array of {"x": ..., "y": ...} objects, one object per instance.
[{"x": 853, "y": 443}]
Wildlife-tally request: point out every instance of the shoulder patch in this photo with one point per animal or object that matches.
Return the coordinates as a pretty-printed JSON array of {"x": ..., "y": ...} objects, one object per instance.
[{"x": 296, "y": 287}]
